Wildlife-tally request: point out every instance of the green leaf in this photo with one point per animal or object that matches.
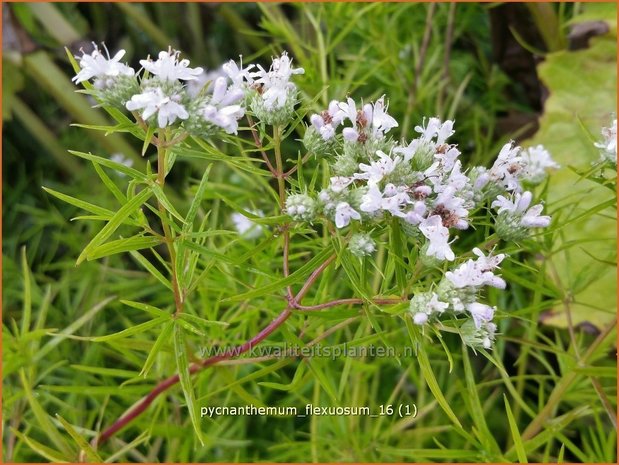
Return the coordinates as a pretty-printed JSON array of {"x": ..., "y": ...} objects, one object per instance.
[
  {"x": 185, "y": 379},
  {"x": 113, "y": 188},
  {"x": 124, "y": 245},
  {"x": 44, "y": 451},
  {"x": 81, "y": 442},
  {"x": 89, "y": 207},
  {"x": 125, "y": 211},
  {"x": 147, "y": 138},
  {"x": 197, "y": 200},
  {"x": 295, "y": 277},
  {"x": 154, "y": 311},
  {"x": 115, "y": 372},
  {"x": 131, "y": 172},
  {"x": 201, "y": 321},
  {"x": 151, "y": 269},
  {"x": 428, "y": 374},
  {"x": 43, "y": 419},
  {"x": 163, "y": 337},
  {"x": 161, "y": 197},
  {"x": 518, "y": 445},
  {"x": 131, "y": 330}
]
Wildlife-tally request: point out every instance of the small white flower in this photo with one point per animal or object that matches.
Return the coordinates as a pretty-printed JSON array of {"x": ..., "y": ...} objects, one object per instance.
[
  {"x": 517, "y": 208},
  {"x": 378, "y": 169},
  {"x": 477, "y": 273},
  {"x": 508, "y": 167},
  {"x": 344, "y": 213},
  {"x": 95, "y": 65},
  {"x": 238, "y": 75},
  {"x": 372, "y": 200},
  {"x": 276, "y": 85},
  {"x": 481, "y": 313},
  {"x": 438, "y": 236},
  {"x": 339, "y": 183},
  {"x": 537, "y": 160},
  {"x": 327, "y": 121},
  {"x": 425, "y": 304},
  {"x": 381, "y": 121},
  {"x": 435, "y": 128},
  {"x": 395, "y": 199},
  {"x": 609, "y": 145},
  {"x": 448, "y": 158},
  {"x": 155, "y": 101},
  {"x": 168, "y": 68}
]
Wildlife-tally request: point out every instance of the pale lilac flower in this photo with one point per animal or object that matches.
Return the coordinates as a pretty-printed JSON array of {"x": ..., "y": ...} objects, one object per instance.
[
  {"x": 518, "y": 206},
  {"x": 477, "y": 273},
  {"x": 372, "y": 200},
  {"x": 327, "y": 121},
  {"x": 95, "y": 65},
  {"x": 168, "y": 68},
  {"x": 508, "y": 167},
  {"x": 344, "y": 213},
  {"x": 155, "y": 101},
  {"x": 438, "y": 236},
  {"x": 378, "y": 169},
  {"x": 339, "y": 183},
  {"x": 609, "y": 145},
  {"x": 481, "y": 313},
  {"x": 239, "y": 76},
  {"x": 275, "y": 82},
  {"x": 537, "y": 161},
  {"x": 416, "y": 214}
]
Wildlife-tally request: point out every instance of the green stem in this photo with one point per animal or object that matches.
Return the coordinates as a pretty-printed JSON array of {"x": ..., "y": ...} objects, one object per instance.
[
  {"x": 279, "y": 165},
  {"x": 167, "y": 232}
]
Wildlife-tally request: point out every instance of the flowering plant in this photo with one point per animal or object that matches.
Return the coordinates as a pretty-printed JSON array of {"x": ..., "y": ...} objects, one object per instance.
[{"x": 445, "y": 226}]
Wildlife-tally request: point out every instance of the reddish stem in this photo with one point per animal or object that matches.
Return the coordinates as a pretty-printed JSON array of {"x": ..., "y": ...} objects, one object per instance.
[
  {"x": 172, "y": 380},
  {"x": 258, "y": 143},
  {"x": 337, "y": 302}
]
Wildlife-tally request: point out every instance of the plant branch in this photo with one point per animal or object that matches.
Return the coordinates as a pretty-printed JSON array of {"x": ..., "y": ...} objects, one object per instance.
[
  {"x": 167, "y": 383},
  {"x": 169, "y": 238},
  {"x": 335, "y": 303},
  {"x": 258, "y": 143}
]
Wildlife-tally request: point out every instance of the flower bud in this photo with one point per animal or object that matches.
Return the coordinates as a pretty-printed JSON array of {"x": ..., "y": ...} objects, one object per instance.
[
  {"x": 361, "y": 245},
  {"x": 301, "y": 207}
]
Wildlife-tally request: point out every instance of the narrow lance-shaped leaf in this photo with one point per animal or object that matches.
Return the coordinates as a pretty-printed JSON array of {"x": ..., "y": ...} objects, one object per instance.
[
  {"x": 81, "y": 442},
  {"x": 125, "y": 211},
  {"x": 124, "y": 245},
  {"x": 131, "y": 172},
  {"x": 185, "y": 379},
  {"x": 195, "y": 203},
  {"x": 161, "y": 340}
]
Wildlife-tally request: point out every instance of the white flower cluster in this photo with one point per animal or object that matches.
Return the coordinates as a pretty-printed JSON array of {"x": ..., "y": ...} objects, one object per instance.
[
  {"x": 421, "y": 184},
  {"x": 608, "y": 146},
  {"x": 422, "y": 187},
  {"x": 160, "y": 93},
  {"x": 458, "y": 292}
]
